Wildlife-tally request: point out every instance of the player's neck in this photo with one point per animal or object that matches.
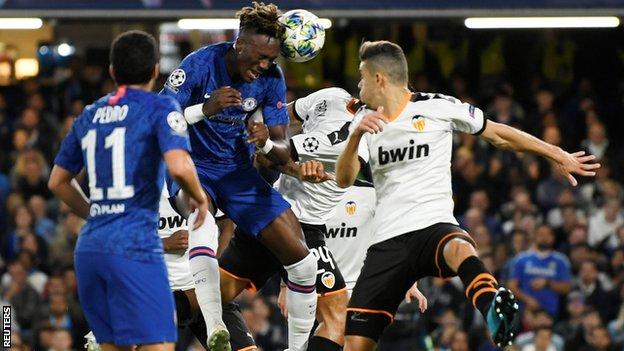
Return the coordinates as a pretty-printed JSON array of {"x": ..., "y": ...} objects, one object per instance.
[
  {"x": 394, "y": 100},
  {"x": 145, "y": 87},
  {"x": 230, "y": 64}
]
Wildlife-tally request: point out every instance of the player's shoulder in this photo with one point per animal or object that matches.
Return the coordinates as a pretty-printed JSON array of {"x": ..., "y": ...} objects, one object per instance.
[
  {"x": 522, "y": 257},
  {"x": 331, "y": 94},
  {"x": 435, "y": 99},
  {"x": 165, "y": 101}
]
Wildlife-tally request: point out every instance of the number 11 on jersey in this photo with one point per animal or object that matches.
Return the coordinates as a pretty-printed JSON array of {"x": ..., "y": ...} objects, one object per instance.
[{"x": 115, "y": 140}]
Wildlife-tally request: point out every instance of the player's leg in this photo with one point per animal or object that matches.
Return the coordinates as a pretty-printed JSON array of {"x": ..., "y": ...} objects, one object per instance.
[
  {"x": 203, "y": 245},
  {"x": 244, "y": 264},
  {"x": 497, "y": 304},
  {"x": 331, "y": 309},
  {"x": 331, "y": 312},
  {"x": 283, "y": 236},
  {"x": 140, "y": 303},
  {"x": 380, "y": 288},
  {"x": 262, "y": 212}
]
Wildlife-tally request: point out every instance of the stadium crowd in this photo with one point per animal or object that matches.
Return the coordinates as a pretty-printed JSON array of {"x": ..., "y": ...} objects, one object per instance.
[{"x": 560, "y": 248}]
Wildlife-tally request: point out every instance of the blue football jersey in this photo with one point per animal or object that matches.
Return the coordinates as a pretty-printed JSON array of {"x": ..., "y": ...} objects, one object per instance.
[
  {"x": 222, "y": 138},
  {"x": 120, "y": 140}
]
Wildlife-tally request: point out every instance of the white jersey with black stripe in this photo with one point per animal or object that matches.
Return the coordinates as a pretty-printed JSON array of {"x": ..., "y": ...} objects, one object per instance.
[
  {"x": 326, "y": 119},
  {"x": 411, "y": 162}
]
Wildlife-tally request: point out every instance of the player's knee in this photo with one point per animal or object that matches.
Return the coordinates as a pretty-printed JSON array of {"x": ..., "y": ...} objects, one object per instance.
[
  {"x": 304, "y": 271},
  {"x": 456, "y": 251}
]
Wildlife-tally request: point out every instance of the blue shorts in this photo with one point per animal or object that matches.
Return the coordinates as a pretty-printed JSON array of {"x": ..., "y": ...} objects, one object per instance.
[
  {"x": 242, "y": 194},
  {"x": 126, "y": 302}
]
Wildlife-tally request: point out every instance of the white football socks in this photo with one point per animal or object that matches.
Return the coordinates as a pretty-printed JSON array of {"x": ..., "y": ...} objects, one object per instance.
[
  {"x": 203, "y": 243},
  {"x": 301, "y": 301}
]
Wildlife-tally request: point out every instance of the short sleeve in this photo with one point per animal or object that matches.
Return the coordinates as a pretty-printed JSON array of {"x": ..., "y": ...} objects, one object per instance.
[
  {"x": 311, "y": 145},
  {"x": 563, "y": 270},
  {"x": 185, "y": 79},
  {"x": 70, "y": 155},
  {"x": 464, "y": 117},
  {"x": 516, "y": 269},
  {"x": 301, "y": 108},
  {"x": 274, "y": 107},
  {"x": 171, "y": 128}
]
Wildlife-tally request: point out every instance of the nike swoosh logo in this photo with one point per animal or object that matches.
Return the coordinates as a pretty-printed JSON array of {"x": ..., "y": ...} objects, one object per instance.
[{"x": 206, "y": 96}]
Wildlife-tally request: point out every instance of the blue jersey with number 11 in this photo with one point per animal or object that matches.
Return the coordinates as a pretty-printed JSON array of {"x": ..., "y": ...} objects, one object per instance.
[{"x": 120, "y": 140}]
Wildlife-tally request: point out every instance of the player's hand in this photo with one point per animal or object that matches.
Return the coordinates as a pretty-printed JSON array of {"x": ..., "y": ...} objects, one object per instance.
[
  {"x": 203, "y": 210},
  {"x": 258, "y": 133},
  {"x": 314, "y": 172},
  {"x": 372, "y": 123},
  {"x": 281, "y": 301},
  {"x": 220, "y": 99},
  {"x": 414, "y": 293},
  {"x": 538, "y": 283},
  {"x": 576, "y": 163},
  {"x": 178, "y": 241}
]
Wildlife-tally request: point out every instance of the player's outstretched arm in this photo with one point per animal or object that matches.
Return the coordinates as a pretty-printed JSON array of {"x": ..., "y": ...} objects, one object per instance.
[
  {"x": 506, "y": 137},
  {"x": 60, "y": 183},
  {"x": 182, "y": 170},
  {"x": 348, "y": 164}
]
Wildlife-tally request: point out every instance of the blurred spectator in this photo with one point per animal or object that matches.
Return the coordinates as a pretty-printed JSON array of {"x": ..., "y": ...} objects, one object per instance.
[
  {"x": 65, "y": 241},
  {"x": 62, "y": 340},
  {"x": 575, "y": 306},
  {"x": 22, "y": 296},
  {"x": 542, "y": 341},
  {"x": 267, "y": 336},
  {"x": 597, "y": 292},
  {"x": 600, "y": 340},
  {"x": 597, "y": 143},
  {"x": 459, "y": 341},
  {"x": 541, "y": 275},
  {"x": 537, "y": 320},
  {"x": 36, "y": 278},
  {"x": 30, "y": 175},
  {"x": 44, "y": 226},
  {"x": 44, "y": 337},
  {"x": 60, "y": 314},
  {"x": 549, "y": 189},
  {"x": 23, "y": 221},
  {"x": 603, "y": 224}
]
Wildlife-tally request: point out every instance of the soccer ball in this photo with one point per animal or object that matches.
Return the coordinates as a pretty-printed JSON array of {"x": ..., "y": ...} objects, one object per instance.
[{"x": 304, "y": 36}]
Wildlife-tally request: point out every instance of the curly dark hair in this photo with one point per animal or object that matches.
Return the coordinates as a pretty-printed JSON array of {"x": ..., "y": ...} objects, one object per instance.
[{"x": 261, "y": 19}]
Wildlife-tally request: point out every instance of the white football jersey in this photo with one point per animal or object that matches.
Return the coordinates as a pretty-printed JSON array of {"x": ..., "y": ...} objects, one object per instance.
[
  {"x": 326, "y": 119},
  {"x": 350, "y": 231},
  {"x": 411, "y": 162},
  {"x": 178, "y": 266}
]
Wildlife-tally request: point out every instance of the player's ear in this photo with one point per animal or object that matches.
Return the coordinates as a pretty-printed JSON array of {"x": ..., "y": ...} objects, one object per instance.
[
  {"x": 156, "y": 71},
  {"x": 111, "y": 71},
  {"x": 239, "y": 44}
]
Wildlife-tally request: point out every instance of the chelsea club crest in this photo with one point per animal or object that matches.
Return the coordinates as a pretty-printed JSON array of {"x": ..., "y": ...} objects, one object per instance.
[{"x": 249, "y": 104}]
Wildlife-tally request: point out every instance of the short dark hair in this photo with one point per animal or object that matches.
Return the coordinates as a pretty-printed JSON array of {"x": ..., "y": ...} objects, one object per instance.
[
  {"x": 387, "y": 57},
  {"x": 261, "y": 19},
  {"x": 134, "y": 54}
]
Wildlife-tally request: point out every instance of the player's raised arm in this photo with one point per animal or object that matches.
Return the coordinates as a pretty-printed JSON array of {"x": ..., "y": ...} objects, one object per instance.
[
  {"x": 348, "y": 164},
  {"x": 506, "y": 137}
]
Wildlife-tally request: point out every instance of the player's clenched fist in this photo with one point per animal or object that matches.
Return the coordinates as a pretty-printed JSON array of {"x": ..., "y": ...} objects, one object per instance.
[
  {"x": 258, "y": 133},
  {"x": 313, "y": 172},
  {"x": 220, "y": 99},
  {"x": 178, "y": 241},
  {"x": 372, "y": 122}
]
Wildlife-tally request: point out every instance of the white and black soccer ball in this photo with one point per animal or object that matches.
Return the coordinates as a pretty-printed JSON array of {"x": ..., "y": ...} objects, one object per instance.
[
  {"x": 304, "y": 36},
  {"x": 310, "y": 144}
]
